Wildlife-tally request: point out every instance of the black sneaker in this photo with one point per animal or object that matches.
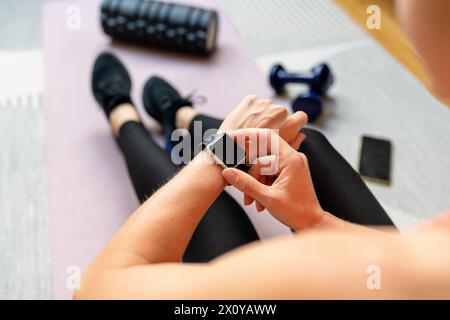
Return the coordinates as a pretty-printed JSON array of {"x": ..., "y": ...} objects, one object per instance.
[
  {"x": 111, "y": 83},
  {"x": 162, "y": 102}
]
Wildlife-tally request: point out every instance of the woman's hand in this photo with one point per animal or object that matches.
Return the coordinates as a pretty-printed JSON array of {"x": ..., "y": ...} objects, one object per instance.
[
  {"x": 254, "y": 112},
  {"x": 290, "y": 197}
]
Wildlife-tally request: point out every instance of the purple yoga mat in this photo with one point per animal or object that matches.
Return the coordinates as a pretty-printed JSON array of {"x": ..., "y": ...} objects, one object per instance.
[{"x": 89, "y": 189}]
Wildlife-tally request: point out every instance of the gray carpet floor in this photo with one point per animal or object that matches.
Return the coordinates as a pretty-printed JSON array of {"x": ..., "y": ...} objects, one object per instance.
[{"x": 25, "y": 269}]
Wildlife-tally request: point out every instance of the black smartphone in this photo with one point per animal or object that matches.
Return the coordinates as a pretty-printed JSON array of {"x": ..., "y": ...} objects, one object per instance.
[{"x": 375, "y": 159}]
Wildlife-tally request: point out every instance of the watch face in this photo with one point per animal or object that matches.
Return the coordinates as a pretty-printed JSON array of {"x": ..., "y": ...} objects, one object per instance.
[{"x": 227, "y": 151}]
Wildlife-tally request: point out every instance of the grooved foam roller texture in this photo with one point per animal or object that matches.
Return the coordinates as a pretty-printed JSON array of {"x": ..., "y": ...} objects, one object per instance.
[{"x": 160, "y": 24}]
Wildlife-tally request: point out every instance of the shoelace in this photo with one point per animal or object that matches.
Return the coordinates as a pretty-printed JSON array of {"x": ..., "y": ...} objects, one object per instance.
[{"x": 196, "y": 99}]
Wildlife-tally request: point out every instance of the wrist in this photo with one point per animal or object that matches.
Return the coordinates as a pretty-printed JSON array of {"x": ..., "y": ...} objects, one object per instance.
[
  {"x": 330, "y": 221},
  {"x": 209, "y": 169},
  {"x": 315, "y": 219}
]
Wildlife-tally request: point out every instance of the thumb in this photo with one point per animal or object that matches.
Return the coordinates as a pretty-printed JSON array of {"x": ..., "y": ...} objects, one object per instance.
[{"x": 245, "y": 183}]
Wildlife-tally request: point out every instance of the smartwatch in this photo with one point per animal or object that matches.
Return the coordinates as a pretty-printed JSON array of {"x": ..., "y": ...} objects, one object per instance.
[{"x": 225, "y": 151}]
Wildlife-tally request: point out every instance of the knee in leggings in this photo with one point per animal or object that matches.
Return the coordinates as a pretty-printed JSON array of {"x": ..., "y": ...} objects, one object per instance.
[{"x": 314, "y": 136}]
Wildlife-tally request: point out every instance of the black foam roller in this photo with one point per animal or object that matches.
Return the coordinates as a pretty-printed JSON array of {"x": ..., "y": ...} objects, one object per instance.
[{"x": 161, "y": 24}]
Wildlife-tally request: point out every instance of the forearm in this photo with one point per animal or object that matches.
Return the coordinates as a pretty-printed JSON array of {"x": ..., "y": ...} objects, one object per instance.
[
  {"x": 160, "y": 230},
  {"x": 317, "y": 265}
]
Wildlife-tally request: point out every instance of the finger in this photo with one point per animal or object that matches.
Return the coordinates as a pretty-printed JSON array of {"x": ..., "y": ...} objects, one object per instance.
[
  {"x": 267, "y": 166},
  {"x": 248, "y": 100},
  {"x": 248, "y": 200},
  {"x": 259, "y": 207},
  {"x": 276, "y": 116},
  {"x": 260, "y": 142},
  {"x": 255, "y": 169},
  {"x": 246, "y": 135},
  {"x": 255, "y": 172},
  {"x": 246, "y": 183},
  {"x": 262, "y": 179},
  {"x": 293, "y": 125},
  {"x": 297, "y": 141},
  {"x": 256, "y": 143},
  {"x": 302, "y": 116}
]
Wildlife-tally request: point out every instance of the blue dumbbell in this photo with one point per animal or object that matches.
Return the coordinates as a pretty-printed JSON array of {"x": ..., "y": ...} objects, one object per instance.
[
  {"x": 319, "y": 80},
  {"x": 310, "y": 103}
]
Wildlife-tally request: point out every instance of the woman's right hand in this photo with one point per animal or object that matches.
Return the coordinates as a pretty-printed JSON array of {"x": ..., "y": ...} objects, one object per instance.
[{"x": 290, "y": 197}]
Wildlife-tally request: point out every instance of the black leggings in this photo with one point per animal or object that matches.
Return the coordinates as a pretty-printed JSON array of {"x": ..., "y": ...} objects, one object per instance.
[{"x": 225, "y": 225}]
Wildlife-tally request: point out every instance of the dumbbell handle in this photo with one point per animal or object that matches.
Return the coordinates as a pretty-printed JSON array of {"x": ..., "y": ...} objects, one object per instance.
[{"x": 294, "y": 77}]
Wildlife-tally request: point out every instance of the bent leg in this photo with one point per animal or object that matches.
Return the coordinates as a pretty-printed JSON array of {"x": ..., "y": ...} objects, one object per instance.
[
  {"x": 225, "y": 227},
  {"x": 149, "y": 166},
  {"x": 207, "y": 122},
  {"x": 339, "y": 187}
]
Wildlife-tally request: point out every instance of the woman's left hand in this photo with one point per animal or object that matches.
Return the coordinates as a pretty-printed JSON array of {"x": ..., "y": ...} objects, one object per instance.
[{"x": 254, "y": 112}]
